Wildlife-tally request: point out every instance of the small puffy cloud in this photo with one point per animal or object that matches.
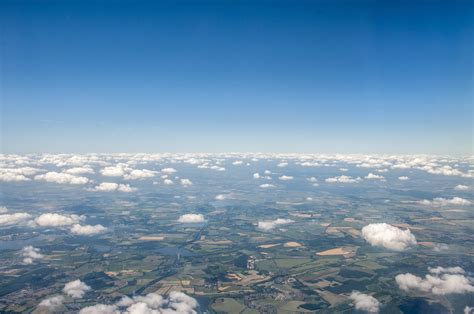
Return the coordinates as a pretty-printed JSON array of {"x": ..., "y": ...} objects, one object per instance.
[
  {"x": 114, "y": 171},
  {"x": 13, "y": 219},
  {"x": 168, "y": 181},
  {"x": 461, "y": 187},
  {"x": 439, "y": 281},
  {"x": 221, "y": 197},
  {"x": 3, "y": 210},
  {"x": 168, "y": 170},
  {"x": 256, "y": 175},
  {"x": 30, "y": 254},
  {"x": 191, "y": 218},
  {"x": 282, "y": 164},
  {"x": 285, "y": 178},
  {"x": 372, "y": 176},
  {"x": 388, "y": 236},
  {"x": 61, "y": 178},
  {"x": 10, "y": 176},
  {"x": 343, "y": 169},
  {"x": 468, "y": 310},
  {"x": 76, "y": 289},
  {"x": 50, "y": 305},
  {"x": 137, "y": 174},
  {"x": 112, "y": 186},
  {"x": 343, "y": 179},
  {"x": 403, "y": 178},
  {"x": 103, "y": 309},
  {"x": 57, "y": 220},
  {"x": 266, "y": 186},
  {"x": 237, "y": 162},
  {"x": 269, "y": 225},
  {"x": 87, "y": 229},
  {"x": 312, "y": 179},
  {"x": 267, "y": 172},
  {"x": 185, "y": 182},
  {"x": 446, "y": 270},
  {"x": 439, "y": 201},
  {"x": 79, "y": 170},
  {"x": 175, "y": 303},
  {"x": 365, "y": 302}
]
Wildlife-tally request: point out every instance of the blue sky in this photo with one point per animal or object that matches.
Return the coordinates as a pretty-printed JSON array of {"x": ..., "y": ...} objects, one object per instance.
[{"x": 295, "y": 76}]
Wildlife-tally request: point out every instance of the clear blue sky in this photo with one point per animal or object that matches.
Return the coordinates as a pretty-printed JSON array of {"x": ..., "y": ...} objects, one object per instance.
[{"x": 296, "y": 76}]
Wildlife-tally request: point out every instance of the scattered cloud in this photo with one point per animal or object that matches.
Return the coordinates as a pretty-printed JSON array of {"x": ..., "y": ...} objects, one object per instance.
[
  {"x": 76, "y": 289},
  {"x": 168, "y": 170},
  {"x": 87, "y": 229},
  {"x": 112, "y": 186},
  {"x": 439, "y": 201},
  {"x": 137, "y": 174},
  {"x": 61, "y": 178},
  {"x": 388, "y": 236},
  {"x": 285, "y": 178},
  {"x": 365, "y": 302},
  {"x": 256, "y": 175},
  {"x": 14, "y": 219},
  {"x": 79, "y": 170},
  {"x": 439, "y": 281},
  {"x": 343, "y": 179},
  {"x": 191, "y": 218},
  {"x": 266, "y": 186},
  {"x": 403, "y": 178},
  {"x": 185, "y": 182},
  {"x": 282, "y": 164},
  {"x": 461, "y": 187},
  {"x": 57, "y": 220},
  {"x": 51, "y": 305},
  {"x": 268, "y": 225},
  {"x": 372, "y": 176},
  {"x": 30, "y": 254},
  {"x": 175, "y": 303}
]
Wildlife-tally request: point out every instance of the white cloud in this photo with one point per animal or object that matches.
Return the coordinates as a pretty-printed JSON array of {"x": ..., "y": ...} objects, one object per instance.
[
  {"x": 9, "y": 176},
  {"x": 388, "y": 236},
  {"x": 282, "y": 164},
  {"x": 168, "y": 182},
  {"x": 365, "y": 302},
  {"x": 57, "y": 220},
  {"x": 114, "y": 171},
  {"x": 312, "y": 179},
  {"x": 137, "y": 174},
  {"x": 468, "y": 310},
  {"x": 266, "y": 186},
  {"x": 152, "y": 303},
  {"x": 76, "y": 289},
  {"x": 446, "y": 270},
  {"x": 268, "y": 225},
  {"x": 343, "y": 179},
  {"x": 87, "y": 229},
  {"x": 285, "y": 178},
  {"x": 61, "y": 178},
  {"x": 168, "y": 170},
  {"x": 79, "y": 170},
  {"x": 403, "y": 178},
  {"x": 185, "y": 182},
  {"x": 51, "y": 305},
  {"x": 191, "y": 218},
  {"x": 13, "y": 219},
  {"x": 343, "y": 169},
  {"x": 440, "y": 281},
  {"x": 372, "y": 176},
  {"x": 112, "y": 186},
  {"x": 237, "y": 162},
  {"x": 221, "y": 197},
  {"x": 256, "y": 175},
  {"x": 3, "y": 210},
  {"x": 439, "y": 201},
  {"x": 461, "y": 187},
  {"x": 30, "y": 254}
]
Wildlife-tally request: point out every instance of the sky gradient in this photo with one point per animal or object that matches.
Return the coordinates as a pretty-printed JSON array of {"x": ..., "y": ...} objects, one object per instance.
[{"x": 271, "y": 76}]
